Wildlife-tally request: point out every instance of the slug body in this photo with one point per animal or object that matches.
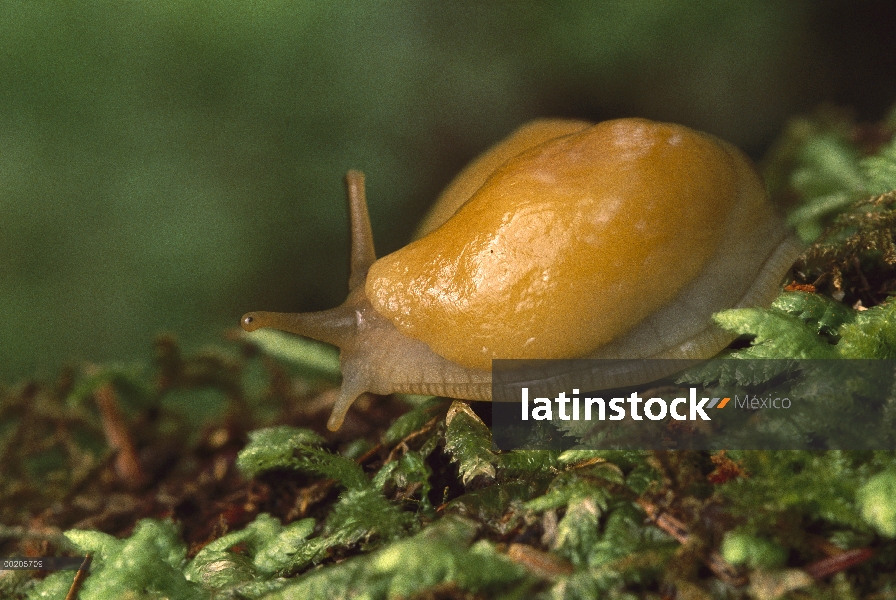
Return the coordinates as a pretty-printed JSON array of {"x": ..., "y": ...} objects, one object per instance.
[{"x": 567, "y": 240}]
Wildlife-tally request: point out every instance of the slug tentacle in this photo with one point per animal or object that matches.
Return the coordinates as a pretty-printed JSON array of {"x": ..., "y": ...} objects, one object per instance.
[
  {"x": 363, "y": 251},
  {"x": 353, "y": 385},
  {"x": 336, "y": 326}
]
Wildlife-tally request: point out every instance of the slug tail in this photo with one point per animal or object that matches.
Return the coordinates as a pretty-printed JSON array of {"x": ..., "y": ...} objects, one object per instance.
[
  {"x": 335, "y": 326},
  {"x": 363, "y": 253}
]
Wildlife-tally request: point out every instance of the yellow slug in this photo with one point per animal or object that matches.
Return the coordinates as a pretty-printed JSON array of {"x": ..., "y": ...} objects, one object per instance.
[{"x": 567, "y": 240}]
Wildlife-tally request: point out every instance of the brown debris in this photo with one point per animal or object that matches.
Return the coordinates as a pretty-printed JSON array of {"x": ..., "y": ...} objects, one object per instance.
[
  {"x": 127, "y": 463},
  {"x": 854, "y": 260},
  {"x": 539, "y": 563}
]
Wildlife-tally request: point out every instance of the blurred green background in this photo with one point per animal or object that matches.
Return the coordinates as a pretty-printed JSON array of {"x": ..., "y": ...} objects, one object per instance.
[{"x": 167, "y": 166}]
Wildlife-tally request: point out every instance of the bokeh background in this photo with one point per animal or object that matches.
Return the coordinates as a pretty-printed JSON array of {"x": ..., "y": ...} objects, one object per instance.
[{"x": 169, "y": 165}]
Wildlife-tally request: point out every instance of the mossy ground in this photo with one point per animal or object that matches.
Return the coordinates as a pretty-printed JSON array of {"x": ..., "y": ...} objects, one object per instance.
[{"x": 212, "y": 475}]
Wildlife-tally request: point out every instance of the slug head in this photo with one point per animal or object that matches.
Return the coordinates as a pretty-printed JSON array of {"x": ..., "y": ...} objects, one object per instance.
[
  {"x": 342, "y": 326},
  {"x": 375, "y": 357}
]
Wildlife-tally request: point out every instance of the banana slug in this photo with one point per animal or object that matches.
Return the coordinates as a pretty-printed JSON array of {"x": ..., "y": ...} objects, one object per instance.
[{"x": 568, "y": 239}]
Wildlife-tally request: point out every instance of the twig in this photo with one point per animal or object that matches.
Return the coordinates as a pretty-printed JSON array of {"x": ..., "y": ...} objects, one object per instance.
[
  {"x": 80, "y": 576},
  {"x": 679, "y": 531},
  {"x": 839, "y": 562},
  {"x": 542, "y": 564},
  {"x": 402, "y": 446},
  {"x": 127, "y": 463}
]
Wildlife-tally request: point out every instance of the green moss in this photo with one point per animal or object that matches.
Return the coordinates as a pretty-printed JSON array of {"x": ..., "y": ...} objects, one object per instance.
[
  {"x": 875, "y": 501},
  {"x": 753, "y": 551},
  {"x": 469, "y": 442},
  {"x": 429, "y": 560},
  {"x": 150, "y": 561}
]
